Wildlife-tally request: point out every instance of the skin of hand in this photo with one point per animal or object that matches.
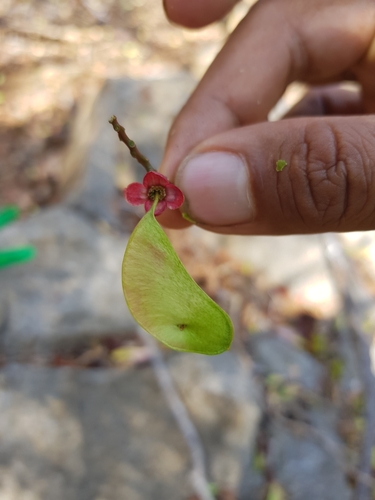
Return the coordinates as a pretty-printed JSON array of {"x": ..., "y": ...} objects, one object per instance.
[{"x": 221, "y": 149}]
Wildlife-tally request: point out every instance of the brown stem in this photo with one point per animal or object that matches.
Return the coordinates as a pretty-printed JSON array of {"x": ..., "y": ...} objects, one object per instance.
[
  {"x": 176, "y": 405},
  {"x": 134, "y": 151},
  {"x": 350, "y": 288}
]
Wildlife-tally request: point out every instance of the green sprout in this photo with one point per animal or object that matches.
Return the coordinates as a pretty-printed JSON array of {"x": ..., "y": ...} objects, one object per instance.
[{"x": 280, "y": 165}]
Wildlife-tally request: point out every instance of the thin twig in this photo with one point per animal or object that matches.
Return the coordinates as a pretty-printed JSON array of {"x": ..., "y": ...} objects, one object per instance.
[
  {"x": 134, "y": 151},
  {"x": 336, "y": 450},
  {"x": 346, "y": 280},
  {"x": 364, "y": 492},
  {"x": 180, "y": 413}
]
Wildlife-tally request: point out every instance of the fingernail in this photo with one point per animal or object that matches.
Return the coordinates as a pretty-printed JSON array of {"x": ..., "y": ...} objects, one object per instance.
[{"x": 216, "y": 187}]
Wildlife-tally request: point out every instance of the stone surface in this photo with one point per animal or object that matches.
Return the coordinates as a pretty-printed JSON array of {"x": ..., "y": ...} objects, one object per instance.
[
  {"x": 305, "y": 452},
  {"x": 304, "y": 467},
  {"x": 88, "y": 435},
  {"x": 274, "y": 355},
  {"x": 107, "y": 434},
  {"x": 221, "y": 396},
  {"x": 71, "y": 291}
]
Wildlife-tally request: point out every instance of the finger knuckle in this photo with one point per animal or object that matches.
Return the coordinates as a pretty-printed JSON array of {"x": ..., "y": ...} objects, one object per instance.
[{"x": 332, "y": 171}]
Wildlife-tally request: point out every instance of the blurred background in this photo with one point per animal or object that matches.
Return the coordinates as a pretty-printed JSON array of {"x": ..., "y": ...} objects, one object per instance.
[{"x": 90, "y": 407}]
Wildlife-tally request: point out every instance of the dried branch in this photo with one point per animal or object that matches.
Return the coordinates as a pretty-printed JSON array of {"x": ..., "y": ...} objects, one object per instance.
[
  {"x": 336, "y": 450},
  {"x": 134, "y": 151},
  {"x": 180, "y": 413},
  {"x": 347, "y": 282},
  {"x": 363, "y": 491}
]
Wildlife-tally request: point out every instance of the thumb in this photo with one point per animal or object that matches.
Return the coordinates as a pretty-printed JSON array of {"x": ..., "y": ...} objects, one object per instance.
[{"x": 232, "y": 186}]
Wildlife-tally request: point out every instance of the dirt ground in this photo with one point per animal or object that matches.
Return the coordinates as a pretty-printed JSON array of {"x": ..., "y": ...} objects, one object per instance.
[{"x": 52, "y": 53}]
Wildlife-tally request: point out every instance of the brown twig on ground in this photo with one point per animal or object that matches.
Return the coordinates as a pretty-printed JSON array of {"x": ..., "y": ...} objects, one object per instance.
[
  {"x": 364, "y": 491},
  {"x": 336, "y": 450},
  {"x": 134, "y": 151},
  {"x": 198, "y": 474},
  {"x": 347, "y": 282}
]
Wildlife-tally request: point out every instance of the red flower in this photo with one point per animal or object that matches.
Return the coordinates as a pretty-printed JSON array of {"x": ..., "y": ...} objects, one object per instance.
[{"x": 154, "y": 184}]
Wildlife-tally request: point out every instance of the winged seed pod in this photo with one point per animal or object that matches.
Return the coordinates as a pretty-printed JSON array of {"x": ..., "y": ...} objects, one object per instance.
[
  {"x": 165, "y": 300},
  {"x": 162, "y": 297}
]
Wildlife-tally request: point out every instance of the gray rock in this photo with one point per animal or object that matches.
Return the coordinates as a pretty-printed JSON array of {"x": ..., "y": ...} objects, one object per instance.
[
  {"x": 304, "y": 466},
  {"x": 221, "y": 397},
  {"x": 88, "y": 435},
  {"x": 107, "y": 434},
  {"x": 71, "y": 291},
  {"x": 273, "y": 354},
  {"x": 305, "y": 456}
]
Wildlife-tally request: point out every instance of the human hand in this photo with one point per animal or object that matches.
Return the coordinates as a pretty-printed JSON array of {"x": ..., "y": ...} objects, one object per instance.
[{"x": 221, "y": 150}]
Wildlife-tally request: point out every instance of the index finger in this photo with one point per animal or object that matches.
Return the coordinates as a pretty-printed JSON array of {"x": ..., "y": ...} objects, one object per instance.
[{"x": 278, "y": 42}]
